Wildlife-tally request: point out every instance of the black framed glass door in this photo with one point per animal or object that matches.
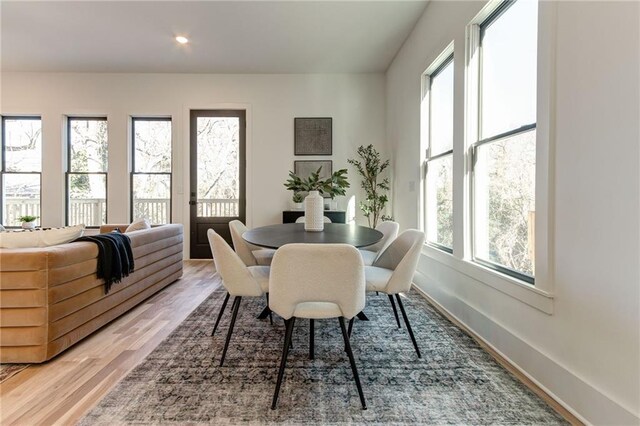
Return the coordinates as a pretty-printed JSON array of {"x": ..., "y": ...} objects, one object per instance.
[{"x": 218, "y": 175}]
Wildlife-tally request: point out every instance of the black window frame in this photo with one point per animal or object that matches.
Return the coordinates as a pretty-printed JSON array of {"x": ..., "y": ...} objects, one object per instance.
[
  {"x": 429, "y": 157},
  {"x": 133, "y": 165},
  {"x": 68, "y": 172},
  {"x": 3, "y": 163},
  {"x": 473, "y": 149}
]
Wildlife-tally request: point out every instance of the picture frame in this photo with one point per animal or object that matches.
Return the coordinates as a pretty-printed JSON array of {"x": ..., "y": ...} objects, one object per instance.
[
  {"x": 304, "y": 168},
  {"x": 313, "y": 136}
]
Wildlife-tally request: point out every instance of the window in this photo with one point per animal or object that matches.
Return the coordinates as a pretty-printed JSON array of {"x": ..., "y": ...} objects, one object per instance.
[
  {"x": 21, "y": 168},
  {"x": 437, "y": 113},
  {"x": 87, "y": 151},
  {"x": 151, "y": 169},
  {"x": 503, "y": 153}
]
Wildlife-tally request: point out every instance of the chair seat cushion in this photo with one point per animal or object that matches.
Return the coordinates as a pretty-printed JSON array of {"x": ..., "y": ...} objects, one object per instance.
[
  {"x": 261, "y": 275},
  {"x": 377, "y": 278},
  {"x": 368, "y": 256},
  {"x": 317, "y": 310},
  {"x": 263, "y": 256}
]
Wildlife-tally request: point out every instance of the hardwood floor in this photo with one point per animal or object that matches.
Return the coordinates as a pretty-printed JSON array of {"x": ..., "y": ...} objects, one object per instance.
[{"x": 62, "y": 390}]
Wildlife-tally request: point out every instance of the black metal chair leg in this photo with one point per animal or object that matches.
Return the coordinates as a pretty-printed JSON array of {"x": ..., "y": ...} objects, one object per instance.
[
  {"x": 395, "y": 311},
  {"x": 283, "y": 362},
  {"x": 265, "y": 312},
  {"x": 352, "y": 362},
  {"x": 406, "y": 321},
  {"x": 270, "y": 314},
  {"x": 236, "y": 307},
  {"x": 362, "y": 316},
  {"x": 224, "y": 305},
  {"x": 311, "y": 338},
  {"x": 350, "y": 327},
  {"x": 291, "y": 342}
]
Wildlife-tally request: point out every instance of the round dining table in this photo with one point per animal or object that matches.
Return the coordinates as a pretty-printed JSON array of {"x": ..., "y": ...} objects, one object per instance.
[{"x": 275, "y": 236}]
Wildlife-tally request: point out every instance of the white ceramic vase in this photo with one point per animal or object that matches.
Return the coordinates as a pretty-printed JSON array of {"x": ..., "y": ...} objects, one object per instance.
[
  {"x": 314, "y": 212},
  {"x": 28, "y": 225}
]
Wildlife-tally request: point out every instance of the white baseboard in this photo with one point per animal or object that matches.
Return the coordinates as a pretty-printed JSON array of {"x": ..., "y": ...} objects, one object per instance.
[{"x": 577, "y": 396}]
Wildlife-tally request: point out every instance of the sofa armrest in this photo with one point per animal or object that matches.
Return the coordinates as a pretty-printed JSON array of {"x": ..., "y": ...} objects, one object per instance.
[{"x": 111, "y": 227}]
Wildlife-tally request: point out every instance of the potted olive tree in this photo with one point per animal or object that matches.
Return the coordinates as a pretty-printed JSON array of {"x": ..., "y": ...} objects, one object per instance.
[
  {"x": 370, "y": 167},
  {"x": 28, "y": 221}
]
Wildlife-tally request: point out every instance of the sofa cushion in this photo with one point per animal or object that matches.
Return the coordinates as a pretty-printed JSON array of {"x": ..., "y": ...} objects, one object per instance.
[
  {"x": 138, "y": 225},
  {"x": 40, "y": 238}
]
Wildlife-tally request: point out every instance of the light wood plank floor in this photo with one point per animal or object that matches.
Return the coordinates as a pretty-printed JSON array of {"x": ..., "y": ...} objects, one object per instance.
[{"x": 62, "y": 390}]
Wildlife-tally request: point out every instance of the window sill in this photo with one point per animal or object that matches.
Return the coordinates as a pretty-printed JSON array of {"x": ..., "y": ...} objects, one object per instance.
[{"x": 510, "y": 286}]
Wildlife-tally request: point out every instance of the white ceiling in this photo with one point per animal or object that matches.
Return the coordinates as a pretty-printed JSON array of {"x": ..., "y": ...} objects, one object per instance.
[{"x": 226, "y": 36}]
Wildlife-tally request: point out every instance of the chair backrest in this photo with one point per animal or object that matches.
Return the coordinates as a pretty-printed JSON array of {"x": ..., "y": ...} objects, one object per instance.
[
  {"x": 235, "y": 275},
  {"x": 301, "y": 219},
  {"x": 317, "y": 273},
  {"x": 402, "y": 257},
  {"x": 389, "y": 231},
  {"x": 241, "y": 247}
]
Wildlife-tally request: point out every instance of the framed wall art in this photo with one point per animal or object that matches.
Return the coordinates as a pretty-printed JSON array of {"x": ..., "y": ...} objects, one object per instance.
[
  {"x": 303, "y": 168},
  {"x": 313, "y": 136}
]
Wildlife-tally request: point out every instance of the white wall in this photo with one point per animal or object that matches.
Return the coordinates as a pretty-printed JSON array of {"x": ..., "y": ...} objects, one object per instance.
[
  {"x": 587, "y": 353},
  {"x": 355, "y": 101}
]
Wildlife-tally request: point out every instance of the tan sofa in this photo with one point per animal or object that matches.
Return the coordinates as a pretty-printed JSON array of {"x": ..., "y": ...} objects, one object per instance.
[{"x": 51, "y": 298}]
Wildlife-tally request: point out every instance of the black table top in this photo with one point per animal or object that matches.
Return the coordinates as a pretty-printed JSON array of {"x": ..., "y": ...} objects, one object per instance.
[{"x": 275, "y": 236}]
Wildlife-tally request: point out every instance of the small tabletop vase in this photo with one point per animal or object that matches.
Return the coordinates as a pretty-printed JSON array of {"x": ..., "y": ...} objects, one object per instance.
[{"x": 313, "y": 212}]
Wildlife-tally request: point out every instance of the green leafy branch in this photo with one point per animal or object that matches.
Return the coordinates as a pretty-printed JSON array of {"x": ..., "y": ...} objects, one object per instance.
[{"x": 334, "y": 185}]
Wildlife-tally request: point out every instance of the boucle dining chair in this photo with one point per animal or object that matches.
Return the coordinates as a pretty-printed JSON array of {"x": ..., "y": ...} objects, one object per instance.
[
  {"x": 317, "y": 281},
  {"x": 251, "y": 255},
  {"x": 238, "y": 279},
  {"x": 392, "y": 272},
  {"x": 324, "y": 219},
  {"x": 389, "y": 231}
]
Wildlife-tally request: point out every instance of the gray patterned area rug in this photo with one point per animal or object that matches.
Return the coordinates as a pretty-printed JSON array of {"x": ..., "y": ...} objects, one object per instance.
[{"x": 456, "y": 382}]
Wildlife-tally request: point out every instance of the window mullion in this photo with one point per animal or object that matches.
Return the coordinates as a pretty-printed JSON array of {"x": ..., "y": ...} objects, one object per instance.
[{"x": 507, "y": 134}]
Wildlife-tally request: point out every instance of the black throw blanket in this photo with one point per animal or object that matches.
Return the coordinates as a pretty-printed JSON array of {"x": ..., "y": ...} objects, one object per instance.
[{"x": 115, "y": 257}]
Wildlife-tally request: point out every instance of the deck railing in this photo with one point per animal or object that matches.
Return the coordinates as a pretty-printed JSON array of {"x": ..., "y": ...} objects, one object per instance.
[
  {"x": 92, "y": 210},
  {"x": 16, "y": 207},
  {"x": 216, "y": 207}
]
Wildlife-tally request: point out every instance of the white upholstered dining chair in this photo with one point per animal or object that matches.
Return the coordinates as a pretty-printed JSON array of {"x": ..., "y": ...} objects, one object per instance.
[
  {"x": 392, "y": 272},
  {"x": 389, "y": 231},
  {"x": 324, "y": 219},
  {"x": 251, "y": 255},
  {"x": 238, "y": 279},
  {"x": 317, "y": 281}
]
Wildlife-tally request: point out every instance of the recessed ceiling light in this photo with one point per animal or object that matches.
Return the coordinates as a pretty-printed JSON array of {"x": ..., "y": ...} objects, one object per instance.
[{"x": 182, "y": 40}]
